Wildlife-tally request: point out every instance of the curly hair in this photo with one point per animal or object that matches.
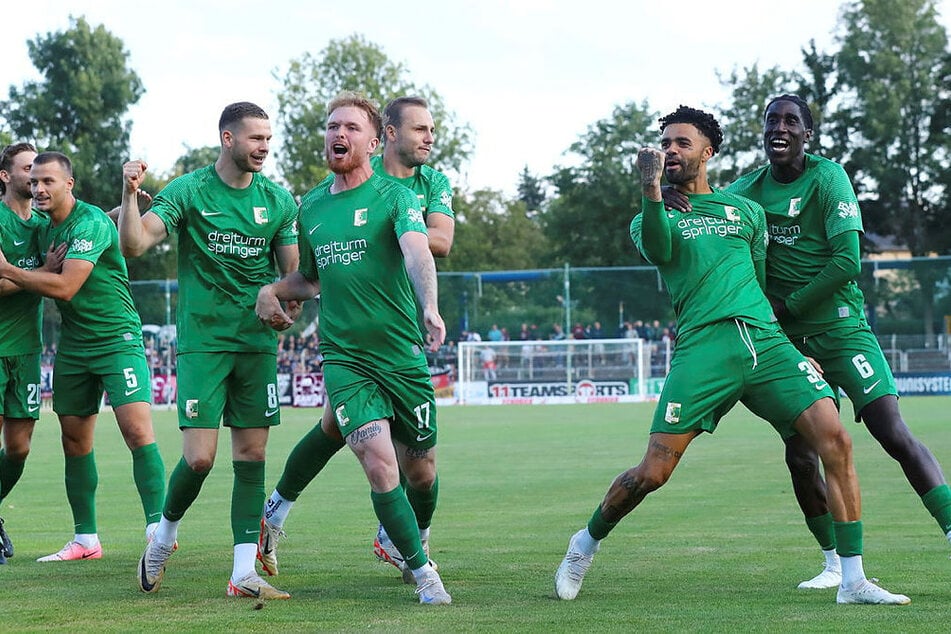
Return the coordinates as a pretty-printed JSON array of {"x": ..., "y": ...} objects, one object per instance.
[
  {"x": 703, "y": 121},
  {"x": 804, "y": 112}
]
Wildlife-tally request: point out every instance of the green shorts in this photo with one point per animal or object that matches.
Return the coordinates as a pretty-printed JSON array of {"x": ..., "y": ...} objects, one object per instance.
[
  {"x": 237, "y": 389},
  {"x": 359, "y": 394},
  {"x": 731, "y": 361},
  {"x": 852, "y": 359},
  {"x": 20, "y": 394},
  {"x": 80, "y": 378}
]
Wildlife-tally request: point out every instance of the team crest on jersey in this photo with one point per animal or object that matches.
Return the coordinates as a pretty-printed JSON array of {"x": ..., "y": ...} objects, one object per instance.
[
  {"x": 260, "y": 215},
  {"x": 360, "y": 217},
  {"x": 795, "y": 207},
  {"x": 191, "y": 408},
  {"x": 731, "y": 213}
]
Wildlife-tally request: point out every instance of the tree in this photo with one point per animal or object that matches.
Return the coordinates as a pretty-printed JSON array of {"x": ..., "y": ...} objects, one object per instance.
[
  {"x": 351, "y": 64},
  {"x": 588, "y": 221},
  {"x": 531, "y": 191},
  {"x": 80, "y": 106},
  {"x": 742, "y": 120},
  {"x": 890, "y": 67}
]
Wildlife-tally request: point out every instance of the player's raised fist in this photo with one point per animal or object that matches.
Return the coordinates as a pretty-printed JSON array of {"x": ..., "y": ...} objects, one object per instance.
[{"x": 132, "y": 173}]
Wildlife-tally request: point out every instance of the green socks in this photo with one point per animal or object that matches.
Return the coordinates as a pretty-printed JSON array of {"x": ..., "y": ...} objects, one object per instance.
[
  {"x": 938, "y": 503},
  {"x": 10, "y": 472},
  {"x": 247, "y": 499},
  {"x": 394, "y": 512},
  {"x": 148, "y": 471},
  {"x": 81, "y": 482},
  {"x": 183, "y": 488},
  {"x": 598, "y": 527},
  {"x": 423, "y": 502},
  {"x": 821, "y": 529},
  {"x": 848, "y": 538},
  {"x": 306, "y": 460}
]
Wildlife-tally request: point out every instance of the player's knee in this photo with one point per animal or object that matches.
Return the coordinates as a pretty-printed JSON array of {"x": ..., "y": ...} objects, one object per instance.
[
  {"x": 200, "y": 464},
  {"x": 801, "y": 459}
]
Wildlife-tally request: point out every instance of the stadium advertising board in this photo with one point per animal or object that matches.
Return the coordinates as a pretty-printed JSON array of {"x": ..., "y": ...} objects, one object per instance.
[
  {"x": 534, "y": 392},
  {"x": 923, "y": 383}
]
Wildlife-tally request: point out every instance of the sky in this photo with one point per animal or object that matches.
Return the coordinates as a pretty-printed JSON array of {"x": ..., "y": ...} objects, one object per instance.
[{"x": 528, "y": 76}]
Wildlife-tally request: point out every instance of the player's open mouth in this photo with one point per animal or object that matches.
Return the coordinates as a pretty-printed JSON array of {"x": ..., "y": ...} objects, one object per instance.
[
  {"x": 339, "y": 150},
  {"x": 779, "y": 144}
]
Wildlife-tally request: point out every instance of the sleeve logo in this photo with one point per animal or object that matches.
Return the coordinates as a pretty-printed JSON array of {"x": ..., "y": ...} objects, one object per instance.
[
  {"x": 446, "y": 198},
  {"x": 415, "y": 215},
  {"x": 81, "y": 246},
  {"x": 848, "y": 209}
]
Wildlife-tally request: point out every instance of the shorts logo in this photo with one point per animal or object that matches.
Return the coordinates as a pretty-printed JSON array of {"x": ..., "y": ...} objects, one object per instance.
[
  {"x": 341, "y": 413},
  {"x": 420, "y": 438},
  {"x": 19, "y": 243},
  {"x": 672, "y": 415},
  {"x": 360, "y": 217},
  {"x": 191, "y": 408},
  {"x": 36, "y": 407},
  {"x": 269, "y": 413},
  {"x": 843, "y": 312},
  {"x": 260, "y": 215},
  {"x": 132, "y": 391},
  {"x": 866, "y": 390}
]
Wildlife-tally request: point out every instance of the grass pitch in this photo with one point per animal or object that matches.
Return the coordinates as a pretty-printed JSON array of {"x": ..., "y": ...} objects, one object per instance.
[{"x": 720, "y": 548}]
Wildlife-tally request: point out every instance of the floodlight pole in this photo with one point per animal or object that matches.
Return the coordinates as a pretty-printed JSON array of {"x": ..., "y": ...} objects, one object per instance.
[{"x": 567, "y": 300}]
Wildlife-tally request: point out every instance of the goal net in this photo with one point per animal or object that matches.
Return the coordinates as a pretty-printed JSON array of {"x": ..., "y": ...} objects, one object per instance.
[{"x": 536, "y": 372}]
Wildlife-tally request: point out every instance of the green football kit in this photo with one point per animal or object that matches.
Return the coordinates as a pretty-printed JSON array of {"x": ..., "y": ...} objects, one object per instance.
[
  {"x": 729, "y": 347},
  {"x": 431, "y": 186},
  {"x": 100, "y": 343},
  {"x": 21, "y": 318},
  {"x": 374, "y": 355},
  {"x": 100, "y": 348},
  {"x": 807, "y": 221},
  {"x": 226, "y": 240}
]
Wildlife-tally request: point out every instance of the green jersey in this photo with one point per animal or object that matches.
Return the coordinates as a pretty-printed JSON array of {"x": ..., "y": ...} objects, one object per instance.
[
  {"x": 711, "y": 274},
  {"x": 350, "y": 242},
  {"x": 801, "y": 217},
  {"x": 432, "y": 187},
  {"x": 101, "y": 316},
  {"x": 22, "y": 315},
  {"x": 226, "y": 241}
]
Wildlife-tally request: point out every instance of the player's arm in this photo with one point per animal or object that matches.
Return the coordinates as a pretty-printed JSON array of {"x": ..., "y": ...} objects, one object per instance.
[
  {"x": 843, "y": 266},
  {"x": 293, "y": 287},
  {"x": 655, "y": 237},
  {"x": 137, "y": 233},
  {"x": 421, "y": 269},
  {"x": 62, "y": 285},
  {"x": 441, "y": 230},
  {"x": 53, "y": 262},
  {"x": 142, "y": 197}
]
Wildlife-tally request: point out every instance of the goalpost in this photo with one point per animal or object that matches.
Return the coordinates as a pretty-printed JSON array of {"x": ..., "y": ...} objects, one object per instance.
[{"x": 542, "y": 371}]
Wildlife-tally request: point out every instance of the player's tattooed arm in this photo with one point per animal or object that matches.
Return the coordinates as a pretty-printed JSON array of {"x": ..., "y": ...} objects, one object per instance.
[{"x": 650, "y": 162}]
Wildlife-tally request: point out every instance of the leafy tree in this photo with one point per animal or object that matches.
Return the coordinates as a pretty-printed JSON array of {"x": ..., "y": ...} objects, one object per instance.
[
  {"x": 531, "y": 191},
  {"x": 195, "y": 158},
  {"x": 889, "y": 67},
  {"x": 742, "y": 119},
  {"x": 588, "y": 222},
  {"x": 310, "y": 83},
  {"x": 79, "y": 107}
]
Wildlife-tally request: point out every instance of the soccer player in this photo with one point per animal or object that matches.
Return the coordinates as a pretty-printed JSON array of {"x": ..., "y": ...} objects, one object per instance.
[
  {"x": 713, "y": 261},
  {"x": 20, "y": 322},
  {"x": 812, "y": 262},
  {"x": 364, "y": 247},
  {"x": 100, "y": 348},
  {"x": 234, "y": 225},
  {"x": 408, "y": 131}
]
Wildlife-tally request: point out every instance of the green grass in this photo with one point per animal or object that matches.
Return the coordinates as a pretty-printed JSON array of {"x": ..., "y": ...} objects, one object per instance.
[{"x": 720, "y": 548}]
